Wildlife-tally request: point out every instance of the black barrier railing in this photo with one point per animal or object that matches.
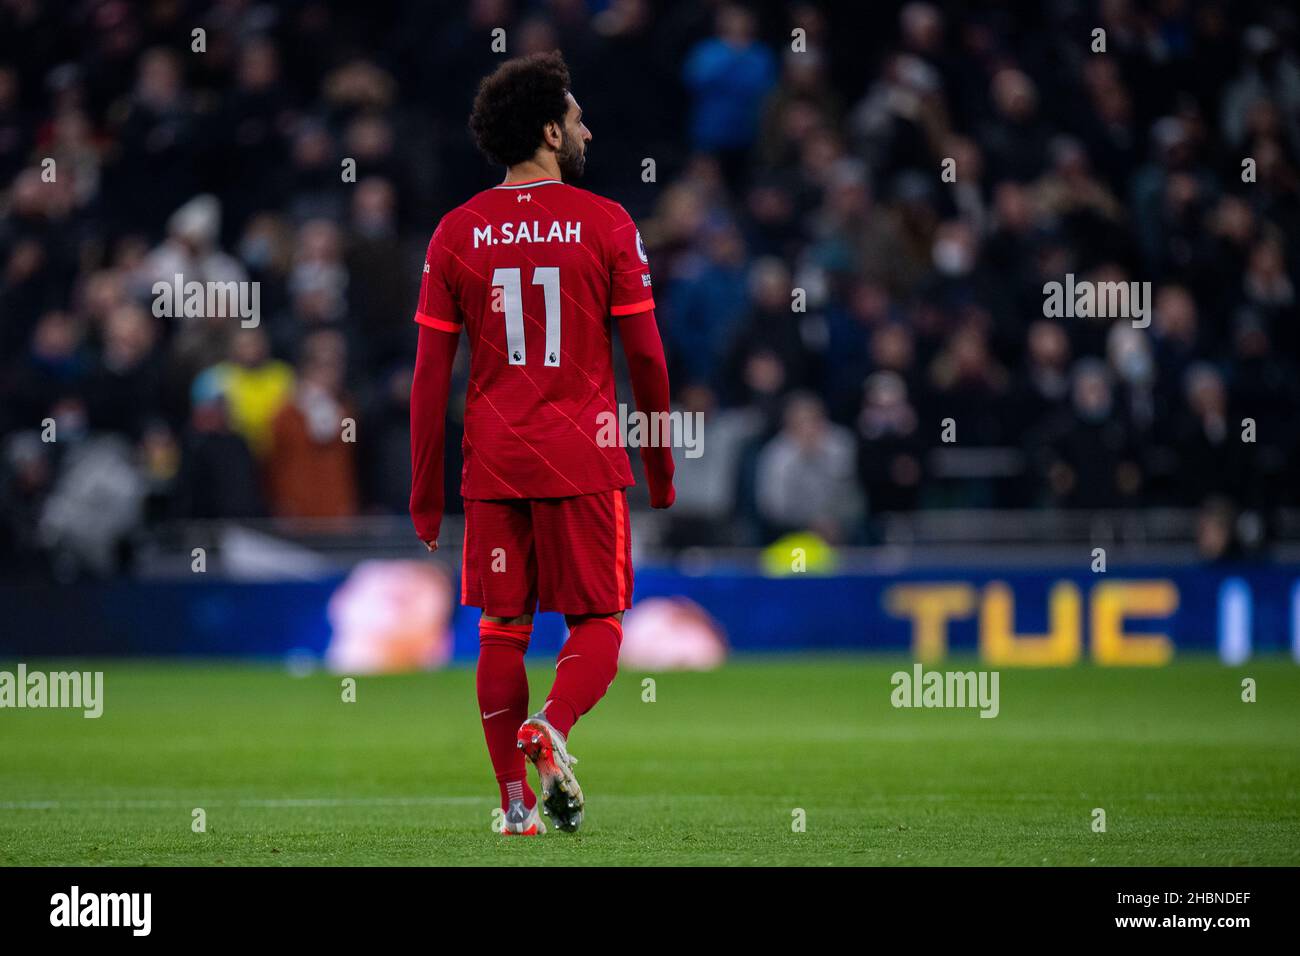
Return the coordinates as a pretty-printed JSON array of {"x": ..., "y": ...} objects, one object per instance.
[{"x": 307, "y": 547}]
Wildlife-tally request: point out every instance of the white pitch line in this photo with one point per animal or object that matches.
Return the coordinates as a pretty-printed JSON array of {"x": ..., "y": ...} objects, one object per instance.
[
  {"x": 289, "y": 802},
  {"x": 433, "y": 801}
]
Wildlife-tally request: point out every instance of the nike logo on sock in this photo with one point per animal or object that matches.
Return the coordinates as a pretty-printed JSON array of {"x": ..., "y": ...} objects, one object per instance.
[
  {"x": 494, "y": 713},
  {"x": 563, "y": 659}
]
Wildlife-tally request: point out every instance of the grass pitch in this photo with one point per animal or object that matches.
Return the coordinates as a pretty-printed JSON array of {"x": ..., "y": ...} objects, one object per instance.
[{"x": 711, "y": 772}]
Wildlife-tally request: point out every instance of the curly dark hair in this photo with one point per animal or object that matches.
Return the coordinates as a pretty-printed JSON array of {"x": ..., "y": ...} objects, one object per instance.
[{"x": 515, "y": 102}]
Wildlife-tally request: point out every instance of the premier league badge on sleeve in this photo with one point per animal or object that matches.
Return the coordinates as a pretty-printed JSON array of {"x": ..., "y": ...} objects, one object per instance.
[{"x": 640, "y": 247}]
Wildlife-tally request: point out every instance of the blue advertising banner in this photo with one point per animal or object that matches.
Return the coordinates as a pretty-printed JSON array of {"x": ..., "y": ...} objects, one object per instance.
[{"x": 1008, "y": 616}]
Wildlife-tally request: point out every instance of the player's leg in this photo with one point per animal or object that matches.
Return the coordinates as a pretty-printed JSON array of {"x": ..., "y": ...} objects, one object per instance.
[
  {"x": 499, "y": 575},
  {"x": 585, "y": 572},
  {"x": 585, "y": 669},
  {"x": 502, "y": 684},
  {"x": 593, "y": 535},
  {"x": 587, "y": 665}
]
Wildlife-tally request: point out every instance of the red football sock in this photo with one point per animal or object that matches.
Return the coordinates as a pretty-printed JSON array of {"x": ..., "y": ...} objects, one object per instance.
[
  {"x": 587, "y": 665},
  {"x": 503, "y": 704}
]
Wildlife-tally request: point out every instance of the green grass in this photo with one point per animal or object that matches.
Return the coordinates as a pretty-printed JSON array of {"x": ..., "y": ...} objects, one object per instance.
[{"x": 709, "y": 773}]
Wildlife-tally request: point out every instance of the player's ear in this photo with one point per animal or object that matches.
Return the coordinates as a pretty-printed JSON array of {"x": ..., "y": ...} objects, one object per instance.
[{"x": 555, "y": 134}]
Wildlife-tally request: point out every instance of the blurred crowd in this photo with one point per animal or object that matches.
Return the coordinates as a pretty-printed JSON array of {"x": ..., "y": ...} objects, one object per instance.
[{"x": 851, "y": 211}]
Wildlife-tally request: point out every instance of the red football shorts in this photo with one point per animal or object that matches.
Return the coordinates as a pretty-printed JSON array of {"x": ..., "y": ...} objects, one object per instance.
[{"x": 571, "y": 555}]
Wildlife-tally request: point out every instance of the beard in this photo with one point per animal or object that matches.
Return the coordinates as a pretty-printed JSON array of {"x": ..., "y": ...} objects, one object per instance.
[{"x": 571, "y": 158}]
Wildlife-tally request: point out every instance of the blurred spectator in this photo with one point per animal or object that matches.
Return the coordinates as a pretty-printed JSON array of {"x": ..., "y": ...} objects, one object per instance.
[
  {"x": 96, "y": 502},
  {"x": 51, "y": 369},
  {"x": 1216, "y": 535},
  {"x": 1210, "y": 443},
  {"x": 384, "y": 445},
  {"x": 377, "y": 269},
  {"x": 312, "y": 466},
  {"x": 890, "y": 450},
  {"x": 123, "y": 387},
  {"x": 159, "y": 139},
  {"x": 218, "y": 477},
  {"x": 707, "y": 485},
  {"x": 1016, "y": 138},
  {"x": 1092, "y": 460},
  {"x": 26, "y": 475},
  {"x": 14, "y": 135},
  {"x": 192, "y": 252},
  {"x": 254, "y": 386},
  {"x": 805, "y": 477},
  {"x": 970, "y": 387},
  {"x": 773, "y": 325},
  {"x": 1131, "y": 363},
  {"x": 1042, "y": 389},
  {"x": 1270, "y": 74},
  {"x": 707, "y": 303},
  {"x": 728, "y": 76}
]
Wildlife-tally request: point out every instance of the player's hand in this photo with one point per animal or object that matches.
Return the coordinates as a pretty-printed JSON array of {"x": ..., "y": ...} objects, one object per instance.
[
  {"x": 662, "y": 497},
  {"x": 659, "y": 470},
  {"x": 431, "y": 545}
]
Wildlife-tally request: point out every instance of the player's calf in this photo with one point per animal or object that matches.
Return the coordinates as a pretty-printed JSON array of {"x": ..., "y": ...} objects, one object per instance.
[{"x": 587, "y": 665}]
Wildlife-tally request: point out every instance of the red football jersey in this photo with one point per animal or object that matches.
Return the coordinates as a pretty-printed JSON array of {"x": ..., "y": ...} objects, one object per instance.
[{"x": 533, "y": 272}]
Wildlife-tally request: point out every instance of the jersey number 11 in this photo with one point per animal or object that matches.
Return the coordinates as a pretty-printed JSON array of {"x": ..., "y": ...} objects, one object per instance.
[{"x": 548, "y": 277}]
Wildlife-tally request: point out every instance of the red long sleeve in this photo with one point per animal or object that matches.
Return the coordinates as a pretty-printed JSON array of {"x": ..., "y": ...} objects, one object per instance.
[
  {"x": 435, "y": 354},
  {"x": 639, "y": 334}
]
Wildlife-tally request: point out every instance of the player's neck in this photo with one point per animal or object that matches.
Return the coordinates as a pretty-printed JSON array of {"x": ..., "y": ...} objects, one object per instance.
[{"x": 531, "y": 170}]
